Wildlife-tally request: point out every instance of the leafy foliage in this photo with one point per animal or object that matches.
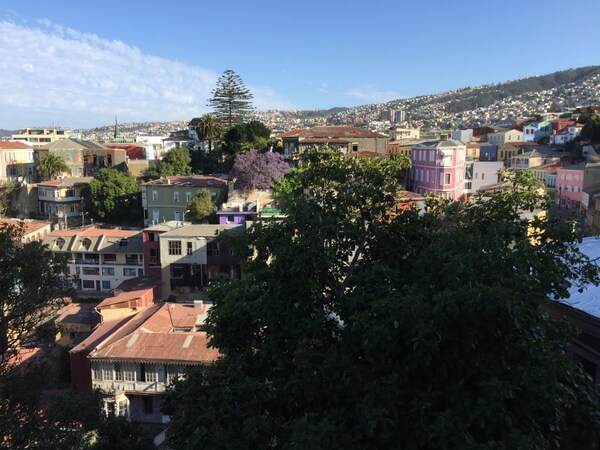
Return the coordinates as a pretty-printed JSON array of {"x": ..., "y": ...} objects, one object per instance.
[
  {"x": 243, "y": 137},
  {"x": 591, "y": 129},
  {"x": 231, "y": 99},
  {"x": 359, "y": 327},
  {"x": 209, "y": 129},
  {"x": 52, "y": 164},
  {"x": 201, "y": 207},
  {"x": 255, "y": 170},
  {"x": 177, "y": 161},
  {"x": 113, "y": 195},
  {"x": 31, "y": 290}
]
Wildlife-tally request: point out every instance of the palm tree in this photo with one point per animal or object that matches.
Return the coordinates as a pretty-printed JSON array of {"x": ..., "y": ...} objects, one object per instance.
[
  {"x": 209, "y": 128},
  {"x": 52, "y": 164}
]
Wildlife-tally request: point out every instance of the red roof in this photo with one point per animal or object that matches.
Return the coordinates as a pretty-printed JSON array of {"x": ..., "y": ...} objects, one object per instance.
[
  {"x": 14, "y": 145},
  {"x": 133, "y": 151},
  {"x": 330, "y": 133}
]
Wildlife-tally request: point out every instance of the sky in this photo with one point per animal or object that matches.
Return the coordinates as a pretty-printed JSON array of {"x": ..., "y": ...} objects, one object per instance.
[{"x": 77, "y": 64}]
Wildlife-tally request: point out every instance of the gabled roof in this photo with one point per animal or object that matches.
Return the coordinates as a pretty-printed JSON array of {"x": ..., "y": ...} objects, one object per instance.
[
  {"x": 105, "y": 240},
  {"x": 188, "y": 180},
  {"x": 14, "y": 145},
  {"x": 66, "y": 182},
  {"x": 154, "y": 337},
  {"x": 73, "y": 144},
  {"x": 326, "y": 133}
]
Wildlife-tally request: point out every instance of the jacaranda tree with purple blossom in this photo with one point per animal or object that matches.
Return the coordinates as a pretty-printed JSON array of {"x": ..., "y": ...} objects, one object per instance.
[{"x": 256, "y": 170}]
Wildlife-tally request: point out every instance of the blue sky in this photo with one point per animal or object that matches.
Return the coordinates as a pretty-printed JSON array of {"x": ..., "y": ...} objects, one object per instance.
[{"x": 77, "y": 64}]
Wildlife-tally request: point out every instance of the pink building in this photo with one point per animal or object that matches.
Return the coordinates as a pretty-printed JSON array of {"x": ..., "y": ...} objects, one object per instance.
[
  {"x": 438, "y": 167},
  {"x": 572, "y": 180}
]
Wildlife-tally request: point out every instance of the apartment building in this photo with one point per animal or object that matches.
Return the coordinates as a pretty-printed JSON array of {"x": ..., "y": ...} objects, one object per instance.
[
  {"x": 61, "y": 198},
  {"x": 167, "y": 198},
  {"x": 39, "y": 137},
  {"x": 99, "y": 259}
]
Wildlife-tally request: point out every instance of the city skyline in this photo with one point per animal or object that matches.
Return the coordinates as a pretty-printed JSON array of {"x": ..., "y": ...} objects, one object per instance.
[{"x": 79, "y": 67}]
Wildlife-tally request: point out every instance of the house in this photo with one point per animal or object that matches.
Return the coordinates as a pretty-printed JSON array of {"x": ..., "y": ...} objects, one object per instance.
[
  {"x": 179, "y": 139},
  {"x": 237, "y": 212},
  {"x": 529, "y": 132},
  {"x": 463, "y": 135},
  {"x": 505, "y": 137},
  {"x": 99, "y": 259},
  {"x": 483, "y": 173},
  {"x": 134, "y": 359},
  {"x": 582, "y": 309},
  {"x": 547, "y": 174},
  {"x": 39, "y": 137},
  {"x": 573, "y": 180},
  {"x": 590, "y": 205},
  {"x": 347, "y": 139},
  {"x": 130, "y": 297},
  {"x": 167, "y": 198},
  {"x": 487, "y": 152},
  {"x": 534, "y": 157},
  {"x": 75, "y": 323},
  {"x": 438, "y": 167},
  {"x": 398, "y": 133},
  {"x": 72, "y": 151},
  {"x": 16, "y": 162},
  {"x": 95, "y": 159},
  {"x": 566, "y": 134},
  {"x": 544, "y": 130},
  {"x": 33, "y": 230},
  {"x": 404, "y": 147},
  {"x": 192, "y": 256},
  {"x": 508, "y": 150},
  {"x": 61, "y": 198}
]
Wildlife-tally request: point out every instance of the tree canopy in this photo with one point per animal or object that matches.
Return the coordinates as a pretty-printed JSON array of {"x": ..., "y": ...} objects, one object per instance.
[
  {"x": 176, "y": 161},
  {"x": 362, "y": 325},
  {"x": 114, "y": 196},
  {"x": 251, "y": 135},
  {"x": 31, "y": 290},
  {"x": 231, "y": 99},
  {"x": 201, "y": 207},
  {"x": 52, "y": 164},
  {"x": 209, "y": 129},
  {"x": 591, "y": 129},
  {"x": 256, "y": 170}
]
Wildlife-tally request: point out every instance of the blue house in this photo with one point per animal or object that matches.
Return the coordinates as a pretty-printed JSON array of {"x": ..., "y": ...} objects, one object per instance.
[{"x": 488, "y": 153}]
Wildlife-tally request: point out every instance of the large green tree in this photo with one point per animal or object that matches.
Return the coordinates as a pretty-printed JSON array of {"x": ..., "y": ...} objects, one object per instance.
[
  {"x": 52, "y": 165},
  {"x": 113, "y": 196},
  {"x": 176, "y": 161},
  {"x": 359, "y": 327},
  {"x": 591, "y": 129},
  {"x": 201, "y": 207},
  {"x": 31, "y": 290},
  {"x": 231, "y": 99}
]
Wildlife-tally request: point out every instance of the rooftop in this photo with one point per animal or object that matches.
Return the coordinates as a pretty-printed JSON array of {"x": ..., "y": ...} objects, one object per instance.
[
  {"x": 328, "y": 133},
  {"x": 189, "y": 180},
  {"x": 66, "y": 182}
]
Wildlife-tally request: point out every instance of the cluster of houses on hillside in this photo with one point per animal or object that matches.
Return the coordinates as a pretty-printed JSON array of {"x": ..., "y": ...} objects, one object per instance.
[{"x": 146, "y": 327}]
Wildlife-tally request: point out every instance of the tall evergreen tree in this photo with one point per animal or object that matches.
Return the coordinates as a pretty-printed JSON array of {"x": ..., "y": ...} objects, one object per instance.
[{"x": 231, "y": 99}]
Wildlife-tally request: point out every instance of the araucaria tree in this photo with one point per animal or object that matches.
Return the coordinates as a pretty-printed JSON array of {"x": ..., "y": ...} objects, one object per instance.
[
  {"x": 231, "y": 99},
  {"x": 356, "y": 326},
  {"x": 256, "y": 170}
]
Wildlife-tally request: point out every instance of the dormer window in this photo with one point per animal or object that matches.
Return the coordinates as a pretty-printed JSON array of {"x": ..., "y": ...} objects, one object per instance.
[
  {"x": 60, "y": 243},
  {"x": 123, "y": 242},
  {"x": 86, "y": 243}
]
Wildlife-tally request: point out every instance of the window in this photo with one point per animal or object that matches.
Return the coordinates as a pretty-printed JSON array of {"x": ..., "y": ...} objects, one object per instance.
[
  {"x": 188, "y": 197},
  {"x": 97, "y": 373},
  {"x": 86, "y": 243},
  {"x": 129, "y": 373},
  {"x": 127, "y": 272},
  {"x": 174, "y": 247},
  {"x": 118, "y": 372},
  {"x": 108, "y": 271},
  {"x": 149, "y": 373},
  {"x": 176, "y": 197},
  {"x": 88, "y": 284},
  {"x": 189, "y": 248},
  {"x": 212, "y": 249},
  {"x": 354, "y": 146},
  {"x": 447, "y": 178},
  {"x": 154, "y": 196},
  {"x": 109, "y": 257},
  {"x": 105, "y": 285},
  {"x": 153, "y": 257},
  {"x": 107, "y": 373}
]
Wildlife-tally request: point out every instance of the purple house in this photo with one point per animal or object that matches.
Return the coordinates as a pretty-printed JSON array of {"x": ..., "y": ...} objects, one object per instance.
[{"x": 237, "y": 213}]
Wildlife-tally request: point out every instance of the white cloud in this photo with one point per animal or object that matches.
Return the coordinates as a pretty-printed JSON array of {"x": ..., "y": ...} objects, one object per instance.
[{"x": 52, "y": 74}]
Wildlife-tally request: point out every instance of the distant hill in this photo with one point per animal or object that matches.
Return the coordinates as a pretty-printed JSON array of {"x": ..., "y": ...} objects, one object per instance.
[
  {"x": 470, "y": 98},
  {"x": 7, "y": 133}
]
